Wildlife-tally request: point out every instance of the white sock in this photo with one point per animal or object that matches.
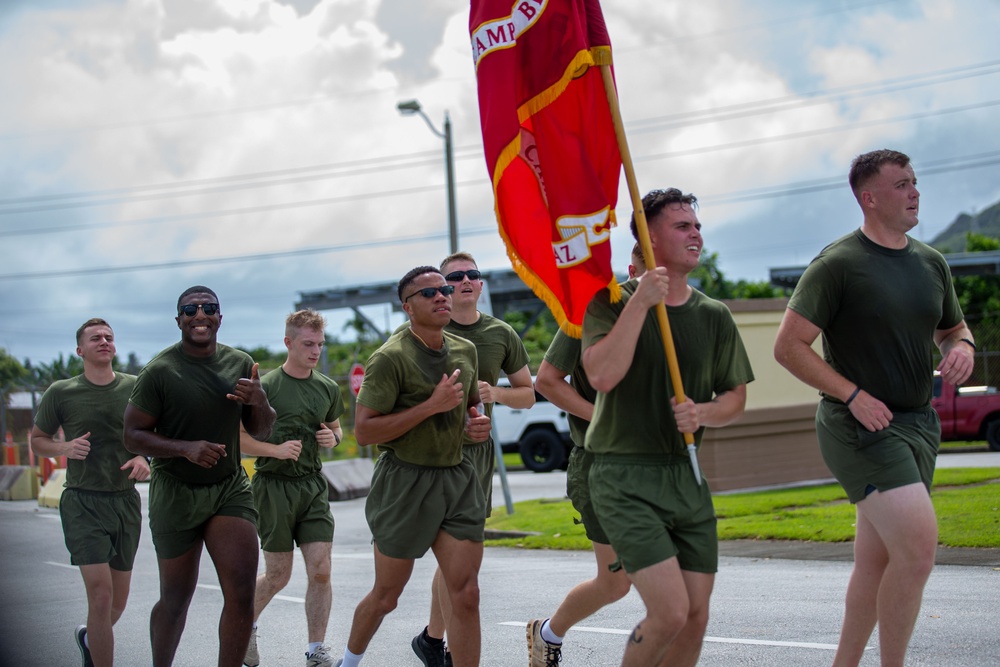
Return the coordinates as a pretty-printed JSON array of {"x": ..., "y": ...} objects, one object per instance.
[
  {"x": 86, "y": 640},
  {"x": 254, "y": 626},
  {"x": 351, "y": 660},
  {"x": 548, "y": 635},
  {"x": 312, "y": 647}
]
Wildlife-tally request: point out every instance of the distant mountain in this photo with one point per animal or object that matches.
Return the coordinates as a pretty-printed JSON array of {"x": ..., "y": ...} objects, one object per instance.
[{"x": 986, "y": 222}]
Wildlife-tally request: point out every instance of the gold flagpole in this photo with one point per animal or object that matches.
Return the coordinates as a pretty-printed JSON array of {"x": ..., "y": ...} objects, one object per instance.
[{"x": 647, "y": 252}]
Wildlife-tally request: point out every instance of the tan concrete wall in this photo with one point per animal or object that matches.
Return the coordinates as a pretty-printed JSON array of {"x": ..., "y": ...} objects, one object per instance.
[
  {"x": 766, "y": 447},
  {"x": 773, "y": 386}
]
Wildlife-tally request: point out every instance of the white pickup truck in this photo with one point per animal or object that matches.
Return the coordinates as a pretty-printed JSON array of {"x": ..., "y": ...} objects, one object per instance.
[{"x": 540, "y": 433}]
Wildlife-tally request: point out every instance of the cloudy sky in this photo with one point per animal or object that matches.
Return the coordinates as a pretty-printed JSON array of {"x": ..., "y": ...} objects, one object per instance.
[{"x": 254, "y": 145}]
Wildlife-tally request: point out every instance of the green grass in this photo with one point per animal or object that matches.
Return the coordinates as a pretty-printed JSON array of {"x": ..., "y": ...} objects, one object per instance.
[
  {"x": 966, "y": 445},
  {"x": 513, "y": 461},
  {"x": 967, "y": 501}
]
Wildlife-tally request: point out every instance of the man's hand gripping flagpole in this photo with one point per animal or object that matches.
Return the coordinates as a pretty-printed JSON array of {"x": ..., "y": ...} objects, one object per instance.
[{"x": 647, "y": 252}]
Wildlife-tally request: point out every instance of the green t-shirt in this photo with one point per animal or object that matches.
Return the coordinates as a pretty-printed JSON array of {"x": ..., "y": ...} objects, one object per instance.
[
  {"x": 498, "y": 347},
  {"x": 878, "y": 309},
  {"x": 187, "y": 396},
  {"x": 80, "y": 406},
  {"x": 565, "y": 354},
  {"x": 403, "y": 373},
  {"x": 302, "y": 405},
  {"x": 635, "y": 417}
]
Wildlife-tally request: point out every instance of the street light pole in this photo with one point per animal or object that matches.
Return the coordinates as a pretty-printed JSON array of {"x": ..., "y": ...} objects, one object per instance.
[{"x": 412, "y": 107}]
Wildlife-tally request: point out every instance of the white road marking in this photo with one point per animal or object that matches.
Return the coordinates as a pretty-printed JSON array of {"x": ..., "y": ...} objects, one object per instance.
[
  {"x": 718, "y": 640},
  {"x": 286, "y": 598},
  {"x": 65, "y": 565}
]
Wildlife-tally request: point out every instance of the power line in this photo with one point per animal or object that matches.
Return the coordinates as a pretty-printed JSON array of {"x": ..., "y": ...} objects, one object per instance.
[
  {"x": 262, "y": 208},
  {"x": 299, "y": 252},
  {"x": 930, "y": 167},
  {"x": 217, "y": 189},
  {"x": 815, "y": 133},
  {"x": 420, "y": 189},
  {"x": 425, "y": 158},
  {"x": 812, "y": 98}
]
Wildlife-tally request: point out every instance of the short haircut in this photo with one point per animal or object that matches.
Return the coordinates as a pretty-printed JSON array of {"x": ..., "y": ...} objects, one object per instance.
[
  {"x": 304, "y": 319},
  {"x": 196, "y": 289},
  {"x": 657, "y": 200},
  {"x": 867, "y": 166},
  {"x": 457, "y": 257},
  {"x": 412, "y": 275},
  {"x": 92, "y": 322},
  {"x": 638, "y": 261}
]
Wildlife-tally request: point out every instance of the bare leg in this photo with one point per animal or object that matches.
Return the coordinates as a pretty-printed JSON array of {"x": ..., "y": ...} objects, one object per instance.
[
  {"x": 459, "y": 562},
  {"x": 391, "y": 575},
  {"x": 319, "y": 592},
  {"x": 232, "y": 544},
  {"x": 903, "y": 519},
  {"x": 591, "y": 595},
  {"x": 121, "y": 584},
  {"x": 178, "y": 577},
  {"x": 860, "y": 612},
  {"x": 277, "y": 572},
  {"x": 107, "y": 593},
  {"x": 676, "y": 610},
  {"x": 686, "y": 647},
  {"x": 440, "y": 607}
]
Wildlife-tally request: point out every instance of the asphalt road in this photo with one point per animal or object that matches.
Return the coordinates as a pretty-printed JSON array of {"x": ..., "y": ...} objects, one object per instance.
[{"x": 767, "y": 610}]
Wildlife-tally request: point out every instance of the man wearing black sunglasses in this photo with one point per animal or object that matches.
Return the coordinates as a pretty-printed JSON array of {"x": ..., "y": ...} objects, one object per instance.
[
  {"x": 418, "y": 398},
  {"x": 499, "y": 349},
  {"x": 185, "y": 411}
]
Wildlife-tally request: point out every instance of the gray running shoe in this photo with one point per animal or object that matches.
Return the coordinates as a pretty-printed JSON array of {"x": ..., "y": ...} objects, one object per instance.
[
  {"x": 540, "y": 652},
  {"x": 320, "y": 657},
  {"x": 252, "y": 658}
]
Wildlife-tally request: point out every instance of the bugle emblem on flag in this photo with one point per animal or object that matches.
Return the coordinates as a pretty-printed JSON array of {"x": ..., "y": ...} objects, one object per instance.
[{"x": 550, "y": 144}]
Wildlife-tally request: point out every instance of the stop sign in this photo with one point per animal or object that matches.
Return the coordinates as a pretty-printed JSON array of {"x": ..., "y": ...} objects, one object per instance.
[{"x": 356, "y": 377}]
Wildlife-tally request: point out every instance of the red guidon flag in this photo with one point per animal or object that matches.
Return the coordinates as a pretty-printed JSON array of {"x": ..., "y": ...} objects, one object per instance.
[{"x": 550, "y": 144}]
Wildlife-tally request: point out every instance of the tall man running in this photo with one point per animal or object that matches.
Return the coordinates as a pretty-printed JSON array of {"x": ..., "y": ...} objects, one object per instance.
[
  {"x": 289, "y": 489},
  {"x": 576, "y": 397},
  {"x": 499, "y": 349},
  {"x": 882, "y": 300},
  {"x": 418, "y": 397},
  {"x": 186, "y": 411},
  {"x": 99, "y": 507},
  {"x": 658, "y": 518}
]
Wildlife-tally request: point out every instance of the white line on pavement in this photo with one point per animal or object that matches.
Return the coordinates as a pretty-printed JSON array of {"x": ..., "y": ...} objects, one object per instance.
[
  {"x": 719, "y": 640},
  {"x": 286, "y": 598},
  {"x": 68, "y": 567}
]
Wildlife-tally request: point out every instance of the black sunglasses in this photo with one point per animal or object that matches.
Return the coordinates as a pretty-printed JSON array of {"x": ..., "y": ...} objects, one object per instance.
[
  {"x": 459, "y": 276},
  {"x": 192, "y": 308},
  {"x": 429, "y": 292}
]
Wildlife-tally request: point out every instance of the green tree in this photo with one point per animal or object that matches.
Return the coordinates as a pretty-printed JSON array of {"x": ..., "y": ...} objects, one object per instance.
[
  {"x": 714, "y": 284},
  {"x": 979, "y": 296},
  {"x": 61, "y": 368},
  {"x": 12, "y": 373}
]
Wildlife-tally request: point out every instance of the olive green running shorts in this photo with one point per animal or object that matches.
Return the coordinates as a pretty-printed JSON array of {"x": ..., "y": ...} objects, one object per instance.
[
  {"x": 292, "y": 511},
  {"x": 578, "y": 490},
  {"x": 653, "y": 510},
  {"x": 864, "y": 461},
  {"x": 484, "y": 459},
  {"x": 408, "y": 504},
  {"x": 101, "y": 527},
  {"x": 178, "y": 512}
]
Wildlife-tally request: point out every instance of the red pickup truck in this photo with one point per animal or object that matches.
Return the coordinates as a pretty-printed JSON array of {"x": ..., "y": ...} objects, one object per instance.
[{"x": 967, "y": 413}]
